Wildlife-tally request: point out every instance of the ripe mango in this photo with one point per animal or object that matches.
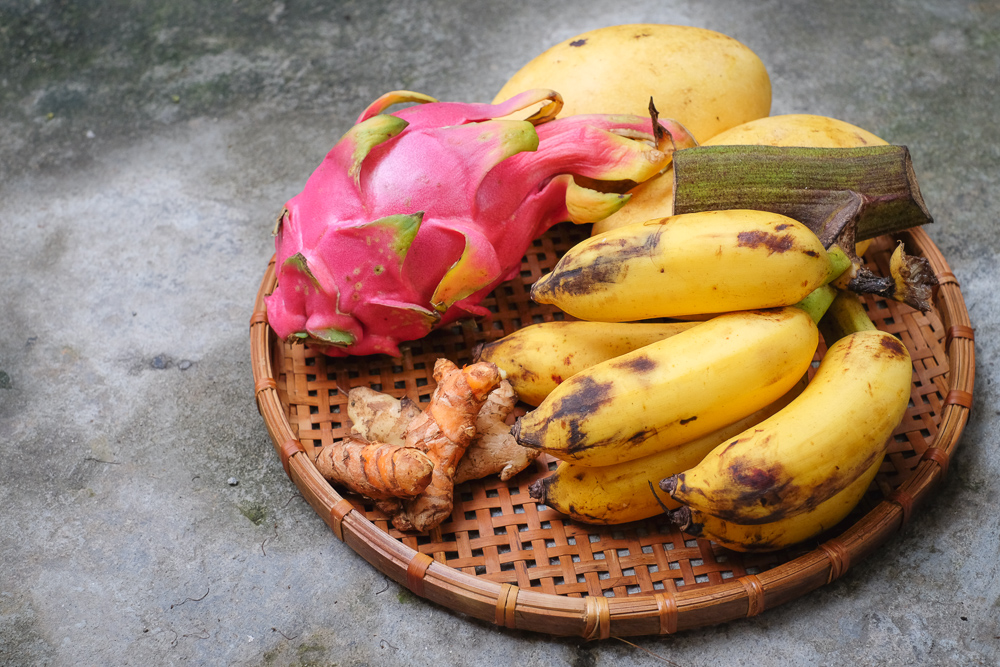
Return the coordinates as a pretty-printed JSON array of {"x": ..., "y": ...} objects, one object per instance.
[
  {"x": 796, "y": 130},
  {"x": 706, "y": 81}
]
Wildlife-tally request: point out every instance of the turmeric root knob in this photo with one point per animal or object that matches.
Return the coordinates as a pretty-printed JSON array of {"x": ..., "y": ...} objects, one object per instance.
[
  {"x": 494, "y": 450},
  {"x": 379, "y": 417},
  {"x": 376, "y": 470},
  {"x": 444, "y": 430},
  {"x": 455, "y": 403}
]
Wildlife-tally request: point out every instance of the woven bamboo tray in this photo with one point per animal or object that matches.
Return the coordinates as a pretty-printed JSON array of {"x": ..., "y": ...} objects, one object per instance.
[{"x": 503, "y": 558}]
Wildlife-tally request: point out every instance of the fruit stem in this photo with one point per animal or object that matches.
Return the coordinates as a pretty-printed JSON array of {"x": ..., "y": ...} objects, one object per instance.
[
  {"x": 845, "y": 316},
  {"x": 817, "y": 302},
  {"x": 872, "y": 188},
  {"x": 840, "y": 261},
  {"x": 910, "y": 280}
]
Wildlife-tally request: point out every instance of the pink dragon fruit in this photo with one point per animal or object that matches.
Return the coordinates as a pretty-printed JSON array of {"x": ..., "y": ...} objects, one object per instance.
[{"x": 414, "y": 217}]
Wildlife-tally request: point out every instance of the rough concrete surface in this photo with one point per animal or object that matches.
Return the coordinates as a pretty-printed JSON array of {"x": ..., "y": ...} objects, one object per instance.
[{"x": 145, "y": 148}]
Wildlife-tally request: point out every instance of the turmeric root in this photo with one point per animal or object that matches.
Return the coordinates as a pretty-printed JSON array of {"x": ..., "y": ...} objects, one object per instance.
[
  {"x": 443, "y": 431},
  {"x": 379, "y": 417},
  {"x": 374, "y": 469},
  {"x": 494, "y": 450}
]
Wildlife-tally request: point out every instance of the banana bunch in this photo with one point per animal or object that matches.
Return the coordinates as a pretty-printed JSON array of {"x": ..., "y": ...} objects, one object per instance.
[
  {"x": 804, "y": 469},
  {"x": 709, "y": 418}
]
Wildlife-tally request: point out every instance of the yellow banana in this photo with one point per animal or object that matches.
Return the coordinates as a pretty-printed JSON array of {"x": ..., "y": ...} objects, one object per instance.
[
  {"x": 691, "y": 264},
  {"x": 540, "y": 356},
  {"x": 816, "y": 304},
  {"x": 627, "y": 491},
  {"x": 675, "y": 390},
  {"x": 814, "y": 448},
  {"x": 783, "y": 532}
]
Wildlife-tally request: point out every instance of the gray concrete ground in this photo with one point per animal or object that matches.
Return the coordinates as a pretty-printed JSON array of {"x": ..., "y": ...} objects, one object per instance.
[{"x": 144, "y": 151}]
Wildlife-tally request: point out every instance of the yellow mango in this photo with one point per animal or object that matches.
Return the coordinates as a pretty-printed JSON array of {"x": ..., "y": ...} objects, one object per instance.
[
  {"x": 704, "y": 80},
  {"x": 651, "y": 200},
  {"x": 796, "y": 130}
]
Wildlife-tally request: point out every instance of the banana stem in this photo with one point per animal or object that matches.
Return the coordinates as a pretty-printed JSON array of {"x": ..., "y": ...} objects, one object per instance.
[
  {"x": 840, "y": 261},
  {"x": 845, "y": 315},
  {"x": 872, "y": 188},
  {"x": 817, "y": 302}
]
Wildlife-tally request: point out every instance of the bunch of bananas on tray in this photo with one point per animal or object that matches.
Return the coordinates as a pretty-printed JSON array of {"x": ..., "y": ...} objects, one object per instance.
[{"x": 706, "y": 412}]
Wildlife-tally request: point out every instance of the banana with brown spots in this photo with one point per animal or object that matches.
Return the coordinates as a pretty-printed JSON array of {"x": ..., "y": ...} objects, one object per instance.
[
  {"x": 690, "y": 264},
  {"x": 782, "y": 532},
  {"x": 813, "y": 449},
  {"x": 675, "y": 390}
]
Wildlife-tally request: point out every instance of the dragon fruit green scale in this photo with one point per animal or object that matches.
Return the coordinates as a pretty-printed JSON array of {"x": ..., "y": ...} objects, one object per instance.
[{"x": 414, "y": 217}]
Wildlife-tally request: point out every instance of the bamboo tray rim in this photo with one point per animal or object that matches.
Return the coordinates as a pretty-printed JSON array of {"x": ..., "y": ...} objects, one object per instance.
[{"x": 665, "y": 612}]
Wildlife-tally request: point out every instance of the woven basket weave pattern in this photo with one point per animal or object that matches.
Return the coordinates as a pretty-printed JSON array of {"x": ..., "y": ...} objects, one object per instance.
[{"x": 498, "y": 534}]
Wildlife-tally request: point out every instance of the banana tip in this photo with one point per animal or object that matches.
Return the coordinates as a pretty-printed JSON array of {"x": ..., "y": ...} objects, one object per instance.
[
  {"x": 539, "y": 489},
  {"x": 669, "y": 484},
  {"x": 515, "y": 431},
  {"x": 539, "y": 290},
  {"x": 682, "y": 519}
]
